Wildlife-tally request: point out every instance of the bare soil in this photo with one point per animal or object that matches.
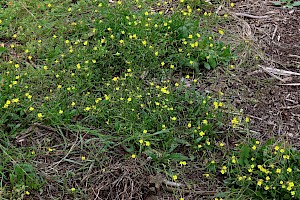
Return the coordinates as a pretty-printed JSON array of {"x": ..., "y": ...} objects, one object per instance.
[{"x": 271, "y": 99}]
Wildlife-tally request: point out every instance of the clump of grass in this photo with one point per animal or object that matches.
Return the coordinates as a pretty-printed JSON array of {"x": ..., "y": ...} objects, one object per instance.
[
  {"x": 129, "y": 69},
  {"x": 260, "y": 170}
]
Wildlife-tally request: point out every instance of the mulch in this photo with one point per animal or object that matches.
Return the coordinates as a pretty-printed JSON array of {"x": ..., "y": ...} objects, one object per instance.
[{"x": 271, "y": 99}]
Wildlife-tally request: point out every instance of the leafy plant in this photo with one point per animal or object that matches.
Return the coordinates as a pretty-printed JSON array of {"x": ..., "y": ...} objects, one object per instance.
[
  {"x": 286, "y": 3},
  {"x": 264, "y": 170}
]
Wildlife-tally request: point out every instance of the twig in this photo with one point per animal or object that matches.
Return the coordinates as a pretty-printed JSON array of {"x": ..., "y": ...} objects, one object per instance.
[
  {"x": 290, "y": 84},
  {"x": 279, "y": 71},
  {"x": 290, "y": 107},
  {"x": 170, "y": 186},
  {"x": 294, "y": 56},
  {"x": 71, "y": 149},
  {"x": 44, "y": 127},
  {"x": 275, "y": 30},
  {"x": 28, "y": 11},
  {"x": 201, "y": 192},
  {"x": 251, "y": 16}
]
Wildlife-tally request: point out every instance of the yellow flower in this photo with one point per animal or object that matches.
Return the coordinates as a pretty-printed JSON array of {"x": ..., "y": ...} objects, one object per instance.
[
  {"x": 291, "y": 184},
  {"x": 267, "y": 187},
  {"x": 205, "y": 121},
  {"x": 133, "y": 156},
  {"x": 174, "y": 177},
  {"x": 27, "y": 193},
  {"x": 31, "y": 108},
  {"x": 254, "y": 147},
  {"x": 293, "y": 193},
  {"x": 40, "y": 115},
  {"x": 173, "y": 118},
  {"x": 281, "y": 150},
  {"x": 73, "y": 189},
  {"x": 221, "y": 32},
  {"x": 15, "y": 100},
  {"x": 216, "y": 105},
  {"x": 259, "y": 182},
  {"x": 147, "y": 143},
  {"x": 278, "y": 171},
  {"x": 289, "y": 170},
  {"x": 286, "y": 157},
  {"x": 82, "y": 158},
  {"x": 182, "y": 162},
  {"x": 247, "y": 120},
  {"x": 234, "y": 122},
  {"x": 276, "y": 148}
]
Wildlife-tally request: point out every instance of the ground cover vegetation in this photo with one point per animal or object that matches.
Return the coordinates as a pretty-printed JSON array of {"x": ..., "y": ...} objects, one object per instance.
[{"x": 126, "y": 73}]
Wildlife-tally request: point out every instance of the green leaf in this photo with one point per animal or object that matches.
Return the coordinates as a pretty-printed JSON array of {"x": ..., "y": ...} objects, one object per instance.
[
  {"x": 277, "y": 3},
  {"x": 175, "y": 157},
  {"x": 181, "y": 141},
  {"x": 207, "y": 65},
  {"x": 212, "y": 62},
  {"x": 296, "y": 3},
  {"x": 152, "y": 155},
  {"x": 2, "y": 49},
  {"x": 182, "y": 32},
  {"x": 173, "y": 147}
]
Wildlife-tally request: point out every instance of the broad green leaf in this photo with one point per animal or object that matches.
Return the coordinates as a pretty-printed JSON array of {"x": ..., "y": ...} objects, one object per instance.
[
  {"x": 182, "y": 32},
  {"x": 296, "y": 3},
  {"x": 2, "y": 49},
  {"x": 245, "y": 152},
  {"x": 207, "y": 65},
  {"x": 175, "y": 157},
  {"x": 212, "y": 62},
  {"x": 277, "y": 3}
]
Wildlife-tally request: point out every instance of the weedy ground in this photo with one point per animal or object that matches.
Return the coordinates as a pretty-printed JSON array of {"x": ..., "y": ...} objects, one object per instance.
[{"x": 108, "y": 100}]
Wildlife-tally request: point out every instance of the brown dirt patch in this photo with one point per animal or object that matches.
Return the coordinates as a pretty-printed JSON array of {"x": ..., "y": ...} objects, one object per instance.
[
  {"x": 266, "y": 96},
  {"x": 278, "y": 34}
]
